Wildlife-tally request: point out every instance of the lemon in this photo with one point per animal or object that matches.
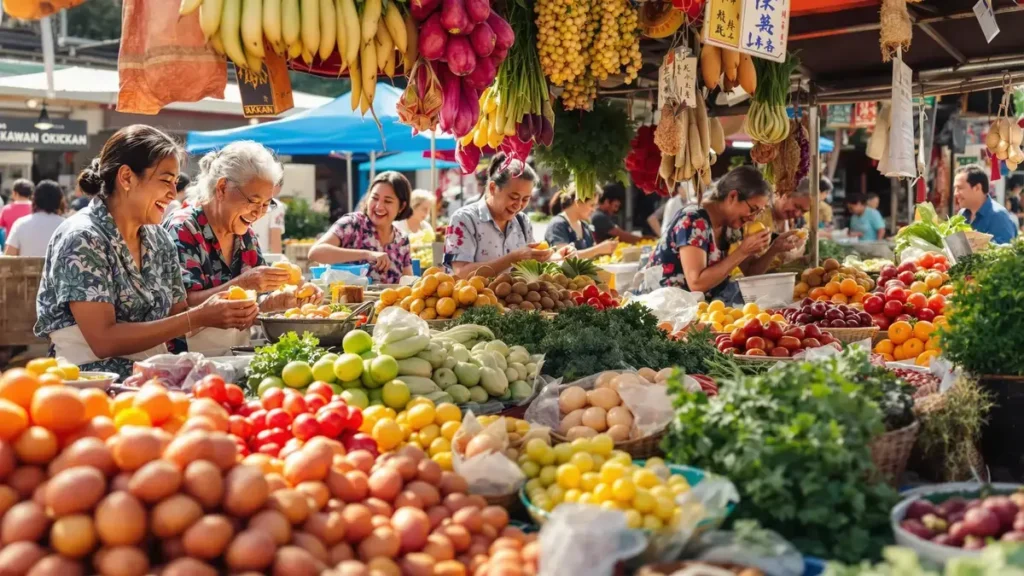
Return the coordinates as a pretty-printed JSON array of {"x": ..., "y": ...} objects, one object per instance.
[
  {"x": 440, "y": 445},
  {"x": 612, "y": 471},
  {"x": 586, "y": 498},
  {"x": 662, "y": 491},
  {"x": 420, "y": 416},
  {"x": 751, "y": 308},
  {"x": 623, "y": 490},
  {"x": 444, "y": 460},
  {"x": 610, "y": 505},
  {"x": 716, "y": 306},
  {"x": 677, "y": 479},
  {"x": 406, "y": 431},
  {"x": 539, "y": 451},
  {"x": 544, "y": 503},
  {"x": 422, "y": 400},
  {"x": 563, "y": 452},
  {"x": 679, "y": 489},
  {"x": 643, "y": 502},
  {"x": 664, "y": 508},
  {"x": 132, "y": 417},
  {"x": 533, "y": 486},
  {"x": 583, "y": 461},
  {"x": 375, "y": 412},
  {"x": 368, "y": 423},
  {"x": 448, "y": 429},
  {"x": 581, "y": 445},
  {"x": 447, "y": 412},
  {"x": 622, "y": 458},
  {"x": 603, "y": 493},
  {"x": 387, "y": 433},
  {"x": 598, "y": 461},
  {"x": 556, "y": 493},
  {"x": 652, "y": 523},
  {"x": 645, "y": 478},
  {"x": 654, "y": 462},
  {"x": 530, "y": 469},
  {"x": 572, "y": 495},
  {"x": 428, "y": 433},
  {"x": 548, "y": 475},
  {"x": 634, "y": 519},
  {"x": 568, "y": 476},
  {"x": 589, "y": 481}
]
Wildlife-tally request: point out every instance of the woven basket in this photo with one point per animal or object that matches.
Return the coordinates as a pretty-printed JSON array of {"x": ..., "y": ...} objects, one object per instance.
[
  {"x": 639, "y": 448},
  {"x": 506, "y": 501},
  {"x": 891, "y": 450},
  {"x": 19, "y": 283},
  {"x": 851, "y": 335}
]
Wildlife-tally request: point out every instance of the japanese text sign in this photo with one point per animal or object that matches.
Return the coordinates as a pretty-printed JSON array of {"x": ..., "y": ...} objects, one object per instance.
[
  {"x": 757, "y": 27},
  {"x": 677, "y": 78}
]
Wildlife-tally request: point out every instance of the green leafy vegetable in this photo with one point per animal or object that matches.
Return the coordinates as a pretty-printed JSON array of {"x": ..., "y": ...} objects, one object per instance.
[
  {"x": 795, "y": 442},
  {"x": 997, "y": 559},
  {"x": 928, "y": 227},
  {"x": 270, "y": 360}
]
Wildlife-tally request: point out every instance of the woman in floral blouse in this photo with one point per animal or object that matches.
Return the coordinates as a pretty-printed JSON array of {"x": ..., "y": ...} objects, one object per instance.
[
  {"x": 371, "y": 236},
  {"x": 494, "y": 231},
  {"x": 693, "y": 252},
  {"x": 111, "y": 291},
  {"x": 216, "y": 245}
]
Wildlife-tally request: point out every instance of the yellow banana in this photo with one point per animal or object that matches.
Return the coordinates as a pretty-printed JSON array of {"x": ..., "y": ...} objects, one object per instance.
[
  {"x": 272, "y": 22},
  {"x": 396, "y": 26},
  {"x": 216, "y": 44},
  {"x": 279, "y": 48},
  {"x": 291, "y": 22},
  {"x": 188, "y": 6},
  {"x": 328, "y": 28},
  {"x": 412, "y": 38},
  {"x": 480, "y": 136},
  {"x": 465, "y": 140},
  {"x": 368, "y": 68},
  {"x": 252, "y": 27},
  {"x": 383, "y": 44},
  {"x": 357, "y": 82},
  {"x": 209, "y": 17},
  {"x": 389, "y": 63},
  {"x": 255, "y": 62},
  {"x": 342, "y": 30},
  {"x": 310, "y": 26},
  {"x": 294, "y": 50},
  {"x": 230, "y": 37},
  {"x": 371, "y": 15},
  {"x": 348, "y": 20},
  {"x": 364, "y": 104},
  {"x": 307, "y": 57}
]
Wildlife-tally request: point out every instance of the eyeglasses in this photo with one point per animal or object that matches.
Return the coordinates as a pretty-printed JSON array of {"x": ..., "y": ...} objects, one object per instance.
[
  {"x": 267, "y": 206},
  {"x": 754, "y": 210}
]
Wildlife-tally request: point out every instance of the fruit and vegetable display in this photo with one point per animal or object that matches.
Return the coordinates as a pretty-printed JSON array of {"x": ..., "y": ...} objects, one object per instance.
[
  {"x": 314, "y": 312},
  {"x": 586, "y": 413},
  {"x": 551, "y": 287},
  {"x": 721, "y": 318},
  {"x": 620, "y": 251},
  {"x": 917, "y": 342},
  {"x": 833, "y": 282},
  {"x": 928, "y": 229},
  {"x": 437, "y": 295},
  {"x": 971, "y": 523},
  {"x": 913, "y": 290},
  {"x": 827, "y": 315},
  {"x": 773, "y": 339}
]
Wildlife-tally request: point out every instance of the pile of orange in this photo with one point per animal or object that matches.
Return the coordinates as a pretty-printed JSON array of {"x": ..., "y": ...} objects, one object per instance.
[
  {"x": 439, "y": 295},
  {"x": 845, "y": 291},
  {"x": 918, "y": 341}
]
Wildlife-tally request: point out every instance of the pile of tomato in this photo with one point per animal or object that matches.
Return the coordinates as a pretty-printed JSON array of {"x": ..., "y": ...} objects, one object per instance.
[{"x": 912, "y": 290}]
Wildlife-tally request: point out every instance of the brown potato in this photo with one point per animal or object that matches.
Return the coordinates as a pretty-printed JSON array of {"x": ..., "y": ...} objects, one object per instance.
[
  {"x": 120, "y": 520},
  {"x": 174, "y": 515},
  {"x": 250, "y": 550},
  {"x": 121, "y": 561},
  {"x": 155, "y": 481},
  {"x": 75, "y": 490},
  {"x": 246, "y": 491},
  {"x": 202, "y": 480},
  {"x": 25, "y": 522},
  {"x": 208, "y": 537}
]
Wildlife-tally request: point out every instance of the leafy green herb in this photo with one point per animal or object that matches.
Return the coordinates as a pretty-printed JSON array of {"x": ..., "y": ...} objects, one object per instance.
[
  {"x": 951, "y": 431},
  {"x": 270, "y": 360},
  {"x": 929, "y": 227},
  {"x": 997, "y": 559},
  {"x": 795, "y": 442},
  {"x": 893, "y": 395}
]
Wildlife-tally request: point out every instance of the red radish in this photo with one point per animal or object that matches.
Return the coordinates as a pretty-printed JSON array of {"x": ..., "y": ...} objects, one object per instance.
[
  {"x": 483, "y": 39},
  {"x": 547, "y": 132},
  {"x": 433, "y": 39},
  {"x": 469, "y": 112},
  {"x": 460, "y": 56},
  {"x": 421, "y": 9},
  {"x": 478, "y": 10},
  {"x": 454, "y": 17},
  {"x": 482, "y": 76},
  {"x": 505, "y": 37},
  {"x": 451, "y": 88},
  {"x": 499, "y": 55},
  {"x": 468, "y": 157}
]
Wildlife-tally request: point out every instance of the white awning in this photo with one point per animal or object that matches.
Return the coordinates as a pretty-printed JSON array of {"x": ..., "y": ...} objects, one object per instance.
[{"x": 100, "y": 86}]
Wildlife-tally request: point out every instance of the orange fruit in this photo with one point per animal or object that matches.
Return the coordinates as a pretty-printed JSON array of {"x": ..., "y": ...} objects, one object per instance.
[
  {"x": 940, "y": 322},
  {"x": 96, "y": 401},
  {"x": 816, "y": 293},
  {"x": 50, "y": 379},
  {"x": 418, "y": 305},
  {"x": 884, "y": 347},
  {"x": 923, "y": 330},
  {"x": 13, "y": 419},
  {"x": 467, "y": 295},
  {"x": 122, "y": 401},
  {"x": 925, "y": 358},
  {"x": 18, "y": 386},
  {"x": 132, "y": 417},
  {"x": 888, "y": 357},
  {"x": 858, "y": 297},
  {"x": 180, "y": 402},
  {"x": 404, "y": 292},
  {"x": 900, "y": 331},
  {"x": 840, "y": 299},
  {"x": 946, "y": 290},
  {"x": 913, "y": 347},
  {"x": 445, "y": 307},
  {"x": 832, "y": 288},
  {"x": 429, "y": 286},
  {"x": 898, "y": 353},
  {"x": 848, "y": 286},
  {"x": 36, "y": 445},
  {"x": 173, "y": 424},
  {"x": 58, "y": 408},
  {"x": 478, "y": 282},
  {"x": 445, "y": 289},
  {"x": 155, "y": 402}
]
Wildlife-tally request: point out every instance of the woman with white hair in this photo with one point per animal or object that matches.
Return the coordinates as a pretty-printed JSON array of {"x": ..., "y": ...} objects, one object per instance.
[
  {"x": 217, "y": 248},
  {"x": 416, "y": 226}
]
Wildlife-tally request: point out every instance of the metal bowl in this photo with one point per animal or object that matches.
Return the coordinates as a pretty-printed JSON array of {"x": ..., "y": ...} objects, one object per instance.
[
  {"x": 330, "y": 332},
  {"x": 101, "y": 380}
]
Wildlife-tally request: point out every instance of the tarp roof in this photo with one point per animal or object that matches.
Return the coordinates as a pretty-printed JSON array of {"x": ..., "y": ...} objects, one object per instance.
[{"x": 406, "y": 162}]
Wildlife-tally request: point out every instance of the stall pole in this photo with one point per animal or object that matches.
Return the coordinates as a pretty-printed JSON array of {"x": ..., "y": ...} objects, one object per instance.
[
  {"x": 433, "y": 178},
  {"x": 373, "y": 166},
  {"x": 348, "y": 169},
  {"x": 815, "y": 175}
]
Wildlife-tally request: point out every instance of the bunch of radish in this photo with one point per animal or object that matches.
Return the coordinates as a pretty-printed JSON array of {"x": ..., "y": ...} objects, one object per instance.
[{"x": 465, "y": 42}]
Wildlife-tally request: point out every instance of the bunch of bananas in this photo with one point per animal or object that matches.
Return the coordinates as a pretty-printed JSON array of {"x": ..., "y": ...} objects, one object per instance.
[
  {"x": 490, "y": 128},
  {"x": 368, "y": 43}
]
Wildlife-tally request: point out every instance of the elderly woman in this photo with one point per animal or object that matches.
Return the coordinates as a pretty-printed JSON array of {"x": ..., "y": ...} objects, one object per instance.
[
  {"x": 693, "y": 251},
  {"x": 371, "y": 235},
  {"x": 494, "y": 231},
  {"x": 416, "y": 226},
  {"x": 217, "y": 248},
  {"x": 111, "y": 291},
  {"x": 570, "y": 225}
]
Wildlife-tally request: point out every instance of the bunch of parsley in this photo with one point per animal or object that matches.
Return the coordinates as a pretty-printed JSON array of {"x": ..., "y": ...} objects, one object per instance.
[{"x": 270, "y": 360}]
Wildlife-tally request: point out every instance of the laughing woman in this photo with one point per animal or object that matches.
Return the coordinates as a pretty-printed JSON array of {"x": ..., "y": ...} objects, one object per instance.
[
  {"x": 111, "y": 291},
  {"x": 371, "y": 236},
  {"x": 218, "y": 249}
]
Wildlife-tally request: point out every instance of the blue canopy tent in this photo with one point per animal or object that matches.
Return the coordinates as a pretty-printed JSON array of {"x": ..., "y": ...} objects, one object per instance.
[{"x": 401, "y": 162}]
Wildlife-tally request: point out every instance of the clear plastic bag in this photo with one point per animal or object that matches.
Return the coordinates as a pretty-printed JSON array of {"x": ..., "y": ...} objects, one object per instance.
[
  {"x": 918, "y": 247},
  {"x": 672, "y": 304},
  {"x": 650, "y": 405},
  {"x": 331, "y": 276},
  {"x": 586, "y": 540},
  {"x": 704, "y": 507},
  {"x": 489, "y": 473},
  {"x": 182, "y": 371},
  {"x": 393, "y": 318},
  {"x": 750, "y": 545},
  {"x": 827, "y": 351}
]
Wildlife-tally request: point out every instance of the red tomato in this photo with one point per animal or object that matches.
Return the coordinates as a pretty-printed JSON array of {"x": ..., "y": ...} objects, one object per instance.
[
  {"x": 926, "y": 314},
  {"x": 360, "y": 441},
  {"x": 594, "y": 302},
  {"x": 234, "y": 395},
  {"x": 941, "y": 259},
  {"x": 278, "y": 418},
  {"x": 269, "y": 448},
  {"x": 263, "y": 437},
  {"x": 321, "y": 389},
  {"x": 294, "y": 405},
  {"x": 354, "y": 418},
  {"x": 213, "y": 387},
  {"x": 893, "y": 308},
  {"x": 305, "y": 427},
  {"x": 280, "y": 435},
  {"x": 937, "y": 303},
  {"x": 331, "y": 423},
  {"x": 917, "y": 300},
  {"x": 272, "y": 398},
  {"x": 941, "y": 267},
  {"x": 926, "y": 261},
  {"x": 258, "y": 418},
  {"x": 240, "y": 426},
  {"x": 314, "y": 402},
  {"x": 873, "y": 304},
  {"x": 898, "y": 294}
]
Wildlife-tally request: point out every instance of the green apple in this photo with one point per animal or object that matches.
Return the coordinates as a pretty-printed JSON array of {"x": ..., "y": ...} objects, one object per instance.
[
  {"x": 348, "y": 367},
  {"x": 366, "y": 377},
  {"x": 395, "y": 394},
  {"x": 297, "y": 374},
  {"x": 338, "y": 388},
  {"x": 383, "y": 368},
  {"x": 356, "y": 397},
  {"x": 357, "y": 342},
  {"x": 323, "y": 370},
  {"x": 368, "y": 355}
]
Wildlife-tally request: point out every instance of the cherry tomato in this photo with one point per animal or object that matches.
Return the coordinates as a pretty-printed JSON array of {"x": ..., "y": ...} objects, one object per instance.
[
  {"x": 305, "y": 427},
  {"x": 314, "y": 402},
  {"x": 278, "y": 418},
  {"x": 240, "y": 426},
  {"x": 234, "y": 395},
  {"x": 272, "y": 398},
  {"x": 321, "y": 389},
  {"x": 294, "y": 405},
  {"x": 258, "y": 418}
]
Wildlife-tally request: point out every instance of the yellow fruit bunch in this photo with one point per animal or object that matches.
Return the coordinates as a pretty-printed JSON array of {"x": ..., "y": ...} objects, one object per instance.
[
  {"x": 422, "y": 424},
  {"x": 723, "y": 318},
  {"x": 490, "y": 128},
  {"x": 369, "y": 42},
  {"x": 438, "y": 295}
]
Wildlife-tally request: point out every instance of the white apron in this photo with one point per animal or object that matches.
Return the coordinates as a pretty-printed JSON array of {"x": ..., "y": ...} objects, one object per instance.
[
  {"x": 69, "y": 343},
  {"x": 213, "y": 342}
]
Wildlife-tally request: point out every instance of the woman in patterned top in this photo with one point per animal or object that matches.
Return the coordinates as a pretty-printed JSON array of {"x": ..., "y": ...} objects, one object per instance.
[
  {"x": 494, "y": 231},
  {"x": 111, "y": 291},
  {"x": 571, "y": 225},
  {"x": 693, "y": 252},
  {"x": 216, "y": 246},
  {"x": 371, "y": 236}
]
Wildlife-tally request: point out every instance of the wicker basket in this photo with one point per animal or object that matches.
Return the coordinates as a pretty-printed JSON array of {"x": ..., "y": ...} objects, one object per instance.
[
  {"x": 851, "y": 335},
  {"x": 639, "y": 448},
  {"x": 19, "y": 283},
  {"x": 506, "y": 501},
  {"x": 891, "y": 450}
]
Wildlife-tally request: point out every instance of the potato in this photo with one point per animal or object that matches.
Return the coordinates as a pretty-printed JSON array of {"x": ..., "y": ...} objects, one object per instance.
[
  {"x": 202, "y": 480},
  {"x": 274, "y": 523},
  {"x": 75, "y": 490},
  {"x": 155, "y": 481},
  {"x": 121, "y": 561},
  {"x": 295, "y": 561},
  {"x": 329, "y": 527},
  {"x": 120, "y": 520},
  {"x": 305, "y": 465},
  {"x": 317, "y": 493},
  {"x": 132, "y": 447},
  {"x": 85, "y": 452},
  {"x": 225, "y": 451},
  {"x": 291, "y": 503},
  {"x": 191, "y": 446},
  {"x": 208, "y": 537},
  {"x": 25, "y": 521},
  {"x": 8, "y": 497},
  {"x": 246, "y": 491},
  {"x": 311, "y": 544},
  {"x": 250, "y": 550},
  {"x": 25, "y": 479},
  {"x": 8, "y": 460},
  {"x": 174, "y": 515},
  {"x": 56, "y": 565}
]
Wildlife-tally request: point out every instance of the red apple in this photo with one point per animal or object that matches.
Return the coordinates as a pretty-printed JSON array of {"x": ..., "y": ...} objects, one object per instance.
[
  {"x": 810, "y": 343},
  {"x": 893, "y": 308},
  {"x": 773, "y": 330},
  {"x": 753, "y": 327},
  {"x": 305, "y": 427},
  {"x": 982, "y": 522},
  {"x": 796, "y": 332},
  {"x": 789, "y": 342},
  {"x": 755, "y": 342},
  {"x": 738, "y": 336},
  {"x": 780, "y": 352},
  {"x": 812, "y": 331}
]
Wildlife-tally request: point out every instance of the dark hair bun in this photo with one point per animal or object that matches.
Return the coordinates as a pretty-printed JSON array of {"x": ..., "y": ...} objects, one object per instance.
[{"x": 89, "y": 179}]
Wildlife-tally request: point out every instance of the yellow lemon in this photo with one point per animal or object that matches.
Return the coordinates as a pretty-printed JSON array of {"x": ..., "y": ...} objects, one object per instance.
[
  {"x": 612, "y": 471},
  {"x": 583, "y": 461},
  {"x": 387, "y": 433},
  {"x": 447, "y": 412},
  {"x": 563, "y": 452},
  {"x": 623, "y": 490},
  {"x": 132, "y": 417},
  {"x": 448, "y": 429},
  {"x": 440, "y": 445},
  {"x": 572, "y": 495},
  {"x": 634, "y": 519},
  {"x": 548, "y": 475},
  {"x": 603, "y": 493},
  {"x": 589, "y": 481},
  {"x": 643, "y": 502},
  {"x": 568, "y": 476},
  {"x": 645, "y": 478},
  {"x": 530, "y": 469},
  {"x": 443, "y": 459},
  {"x": 420, "y": 416},
  {"x": 602, "y": 444},
  {"x": 428, "y": 433}
]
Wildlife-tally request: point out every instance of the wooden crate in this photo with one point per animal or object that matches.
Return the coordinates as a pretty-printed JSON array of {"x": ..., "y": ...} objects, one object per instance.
[{"x": 19, "y": 283}]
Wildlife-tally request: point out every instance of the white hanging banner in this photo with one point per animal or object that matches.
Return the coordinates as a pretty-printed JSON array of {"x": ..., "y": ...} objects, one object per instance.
[
  {"x": 986, "y": 19},
  {"x": 900, "y": 159},
  {"x": 757, "y": 27}
]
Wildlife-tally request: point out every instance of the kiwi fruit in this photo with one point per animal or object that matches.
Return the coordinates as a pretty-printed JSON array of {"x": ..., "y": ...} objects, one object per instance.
[
  {"x": 533, "y": 286},
  {"x": 514, "y": 299},
  {"x": 547, "y": 303},
  {"x": 520, "y": 288},
  {"x": 527, "y": 306},
  {"x": 532, "y": 296},
  {"x": 502, "y": 290}
]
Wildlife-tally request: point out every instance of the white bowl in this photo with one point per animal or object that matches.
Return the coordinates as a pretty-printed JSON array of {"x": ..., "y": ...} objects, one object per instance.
[{"x": 101, "y": 380}]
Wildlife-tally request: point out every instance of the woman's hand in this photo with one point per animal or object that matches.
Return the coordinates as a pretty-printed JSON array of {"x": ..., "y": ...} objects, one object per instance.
[
  {"x": 566, "y": 251},
  {"x": 219, "y": 312},
  {"x": 379, "y": 260},
  {"x": 315, "y": 296},
  {"x": 786, "y": 241},
  {"x": 607, "y": 247},
  {"x": 531, "y": 252},
  {"x": 263, "y": 279},
  {"x": 755, "y": 244}
]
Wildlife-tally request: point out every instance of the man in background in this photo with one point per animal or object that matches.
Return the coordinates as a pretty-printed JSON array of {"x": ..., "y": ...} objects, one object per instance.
[
  {"x": 866, "y": 223},
  {"x": 20, "y": 205},
  {"x": 970, "y": 187},
  {"x": 608, "y": 205}
]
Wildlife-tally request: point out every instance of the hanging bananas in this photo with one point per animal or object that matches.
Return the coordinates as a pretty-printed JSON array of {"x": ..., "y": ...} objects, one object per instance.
[{"x": 489, "y": 129}]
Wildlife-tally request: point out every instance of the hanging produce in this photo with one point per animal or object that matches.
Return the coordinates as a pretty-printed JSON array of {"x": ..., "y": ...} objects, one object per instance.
[
  {"x": 767, "y": 122},
  {"x": 583, "y": 42},
  {"x": 643, "y": 161},
  {"x": 606, "y": 130},
  {"x": 1004, "y": 134},
  {"x": 420, "y": 104},
  {"x": 738, "y": 69},
  {"x": 660, "y": 19},
  {"x": 792, "y": 160},
  {"x": 897, "y": 28},
  {"x": 684, "y": 138}
]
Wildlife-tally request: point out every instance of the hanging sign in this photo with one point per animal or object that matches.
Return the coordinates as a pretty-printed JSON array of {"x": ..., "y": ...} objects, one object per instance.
[
  {"x": 900, "y": 160},
  {"x": 757, "y": 27},
  {"x": 677, "y": 78},
  {"x": 839, "y": 116},
  {"x": 986, "y": 19},
  {"x": 268, "y": 91},
  {"x": 865, "y": 114}
]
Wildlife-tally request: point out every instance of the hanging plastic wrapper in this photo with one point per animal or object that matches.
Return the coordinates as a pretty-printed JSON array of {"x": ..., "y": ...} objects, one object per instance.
[
  {"x": 478, "y": 455},
  {"x": 749, "y": 545},
  {"x": 588, "y": 540},
  {"x": 670, "y": 304}
]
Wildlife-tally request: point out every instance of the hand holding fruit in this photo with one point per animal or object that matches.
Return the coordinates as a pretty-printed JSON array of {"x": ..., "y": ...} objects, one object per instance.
[
  {"x": 608, "y": 247},
  {"x": 379, "y": 260},
  {"x": 263, "y": 279},
  {"x": 220, "y": 312},
  {"x": 566, "y": 251},
  {"x": 533, "y": 252},
  {"x": 787, "y": 241},
  {"x": 755, "y": 243}
]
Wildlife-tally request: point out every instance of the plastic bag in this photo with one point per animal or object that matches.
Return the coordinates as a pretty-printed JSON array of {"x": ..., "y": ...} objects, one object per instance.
[
  {"x": 490, "y": 473},
  {"x": 230, "y": 368},
  {"x": 749, "y": 545},
  {"x": 672, "y": 304},
  {"x": 331, "y": 276},
  {"x": 589, "y": 540},
  {"x": 704, "y": 507},
  {"x": 828, "y": 351},
  {"x": 182, "y": 371},
  {"x": 918, "y": 247},
  {"x": 394, "y": 317}
]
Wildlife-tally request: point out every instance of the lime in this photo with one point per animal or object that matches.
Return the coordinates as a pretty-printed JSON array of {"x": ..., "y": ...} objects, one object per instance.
[
  {"x": 357, "y": 342},
  {"x": 323, "y": 370},
  {"x": 355, "y": 397},
  {"x": 383, "y": 368},
  {"x": 297, "y": 374},
  {"x": 347, "y": 367},
  {"x": 268, "y": 383},
  {"x": 396, "y": 395}
]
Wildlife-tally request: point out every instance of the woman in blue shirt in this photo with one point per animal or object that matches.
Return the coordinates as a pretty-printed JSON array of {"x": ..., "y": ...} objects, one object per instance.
[
  {"x": 866, "y": 223},
  {"x": 571, "y": 225}
]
